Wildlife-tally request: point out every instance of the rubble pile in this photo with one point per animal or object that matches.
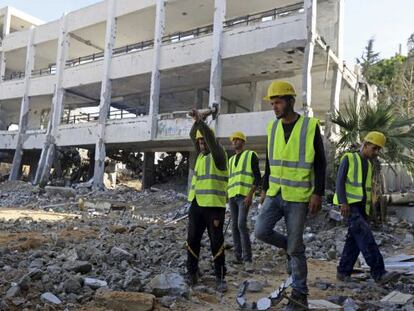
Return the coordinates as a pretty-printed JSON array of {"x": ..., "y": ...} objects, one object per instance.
[{"x": 122, "y": 248}]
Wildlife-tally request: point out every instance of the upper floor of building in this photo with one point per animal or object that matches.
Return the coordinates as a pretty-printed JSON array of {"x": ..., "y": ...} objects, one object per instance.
[{"x": 185, "y": 20}]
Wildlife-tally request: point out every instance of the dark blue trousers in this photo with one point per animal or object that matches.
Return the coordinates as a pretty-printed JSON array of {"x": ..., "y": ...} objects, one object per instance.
[{"x": 360, "y": 239}]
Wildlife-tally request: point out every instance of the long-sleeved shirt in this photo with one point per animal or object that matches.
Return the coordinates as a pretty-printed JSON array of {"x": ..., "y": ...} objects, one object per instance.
[
  {"x": 342, "y": 176},
  {"x": 217, "y": 151},
  {"x": 319, "y": 164},
  {"x": 255, "y": 168}
]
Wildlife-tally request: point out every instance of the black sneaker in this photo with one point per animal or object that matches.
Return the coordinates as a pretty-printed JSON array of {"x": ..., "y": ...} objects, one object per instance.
[
  {"x": 297, "y": 302},
  {"x": 343, "y": 277},
  {"x": 221, "y": 285},
  {"x": 192, "y": 279},
  {"x": 237, "y": 261}
]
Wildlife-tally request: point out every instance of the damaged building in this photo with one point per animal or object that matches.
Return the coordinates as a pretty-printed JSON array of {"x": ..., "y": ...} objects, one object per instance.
[{"x": 121, "y": 75}]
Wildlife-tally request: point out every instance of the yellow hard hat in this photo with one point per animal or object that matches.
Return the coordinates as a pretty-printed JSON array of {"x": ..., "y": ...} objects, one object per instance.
[
  {"x": 239, "y": 135},
  {"x": 199, "y": 135},
  {"x": 279, "y": 88},
  {"x": 376, "y": 138}
]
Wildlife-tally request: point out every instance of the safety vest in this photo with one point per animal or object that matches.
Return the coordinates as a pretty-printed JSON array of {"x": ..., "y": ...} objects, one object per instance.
[
  {"x": 208, "y": 184},
  {"x": 291, "y": 163},
  {"x": 353, "y": 185},
  {"x": 241, "y": 177}
]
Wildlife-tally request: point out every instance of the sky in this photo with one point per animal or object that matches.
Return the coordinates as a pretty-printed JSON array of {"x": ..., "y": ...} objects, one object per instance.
[{"x": 390, "y": 22}]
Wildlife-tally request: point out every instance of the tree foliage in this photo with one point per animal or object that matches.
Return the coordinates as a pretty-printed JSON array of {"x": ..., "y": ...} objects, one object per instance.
[
  {"x": 394, "y": 77},
  {"x": 398, "y": 128}
]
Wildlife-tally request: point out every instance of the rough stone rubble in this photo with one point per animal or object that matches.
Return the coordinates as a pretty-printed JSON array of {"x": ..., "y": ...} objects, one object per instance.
[{"x": 122, "y": 250}]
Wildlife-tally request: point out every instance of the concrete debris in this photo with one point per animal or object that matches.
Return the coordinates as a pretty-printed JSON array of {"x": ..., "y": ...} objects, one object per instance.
[
  {"x": 50, "y": 298},
  {"x": 13, "y": 291},
  {"x": 119, "y": 254},
  {"x": 169, "y": 284},
  {"x": 255, "y": 286},
  {"x": 102, "y": 206},
  {"x": 168, "y": 301},
  {"x": 94, "y": 283},
  {"x": 335, "y": 215},
  {"x": 72, "y": 285},
  {"x": 402, "y": 198},
  {"x": 398, "y": 298},
  {"x": 263, "y": 303},
  {"x": 350, "y": 305},
  {"x": 131, "y": 242},
  {"x": 65, "y": 192},
  {"x": 323, "y": 305},
  {"x": 82, "y": 267}
]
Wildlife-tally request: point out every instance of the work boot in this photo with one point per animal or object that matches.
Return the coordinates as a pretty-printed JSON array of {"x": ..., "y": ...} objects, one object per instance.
[
  {"x": 237, "y": 261},
  {"x": 343, "y": 277},
  {"x": 288, "y": 265},
  {"x": 192, "y": 279},
  {"x": 221, "y": 285},
  {"x": 248, "y": 266},
  {"x": 297, "y": 302},
  {"x": 387, "y": 277}
]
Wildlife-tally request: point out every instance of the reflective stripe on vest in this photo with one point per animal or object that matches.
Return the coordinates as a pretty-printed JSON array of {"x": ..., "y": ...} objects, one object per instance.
[
  {"x": 353, "y": 185},
  {"x": 241, "y": 177},
  {"x": 291, "y": 163},
  {"x": 208, "y": 184}
]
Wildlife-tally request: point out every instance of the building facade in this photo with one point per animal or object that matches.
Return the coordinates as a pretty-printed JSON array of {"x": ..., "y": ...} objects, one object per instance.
[{"x": 121, "y": 74}]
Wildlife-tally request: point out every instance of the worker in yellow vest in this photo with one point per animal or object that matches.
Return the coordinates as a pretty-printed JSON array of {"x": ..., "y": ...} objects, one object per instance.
[
  {"x": 293, "y": 183},
  {"x": 353, "y": 194},
  {"x": 244, "y": 179},
  {"x": 208, "y": 201}
]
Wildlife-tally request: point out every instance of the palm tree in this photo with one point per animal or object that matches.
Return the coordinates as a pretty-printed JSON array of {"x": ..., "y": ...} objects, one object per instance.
[
  {"x": 355, "y": 123},
  {"x": 384, "y": 117}
]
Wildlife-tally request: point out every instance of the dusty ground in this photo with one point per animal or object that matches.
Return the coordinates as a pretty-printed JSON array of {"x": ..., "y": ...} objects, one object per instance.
[{"x": 32, "y": 232}]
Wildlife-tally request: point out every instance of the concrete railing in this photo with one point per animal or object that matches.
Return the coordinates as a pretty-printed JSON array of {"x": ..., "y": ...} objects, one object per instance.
[{"x": 171, "y": 38}]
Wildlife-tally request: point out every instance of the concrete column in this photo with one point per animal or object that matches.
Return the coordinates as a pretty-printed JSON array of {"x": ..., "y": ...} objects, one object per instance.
[
  {"x": 331, "y": 130},
  {"x": 24, "y": 107},
  {"x": 48, "y": 151},
  {"x": 310, "y": 13},
  {"x": 256, "y": 96},
  {"x": 191, "y": 168},
  {"x": 6, "y": 31},
  {"x": 337, "y": 75},
  {"x": 216, "y": 60},
  {"x": 155, "y": 76},
  {"x": 33, "y": 162},
  {"x": 105, "y": 101},
  {"x": 148, "y": 170},
  {"x": 198, "y": 98}
]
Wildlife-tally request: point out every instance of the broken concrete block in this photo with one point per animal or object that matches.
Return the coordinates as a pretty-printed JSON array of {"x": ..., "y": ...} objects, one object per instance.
[
  {"x": 50, "y": 298},
  {"x": 335, "y": 215},
  {"x": 13, "y": 291},
  {"x": 350, "y": 305},
  {"x": 255, "y": 286},
  {"x": 63, "y": 191},
  {"x": 102, "y": 206},
  {"x": 94, "y": 283},
  {"x": 401, "y": 198},
  {"x": 321, "y": 304},
  {"x": 119, "y": 254},
  {"x": 125, "y": 301},
  {"x": 78, "y": 266},
  {"x": 264, "y": 303},
  {"x": 169, "y": 284},
  {"x": 398, "y": 298}
]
